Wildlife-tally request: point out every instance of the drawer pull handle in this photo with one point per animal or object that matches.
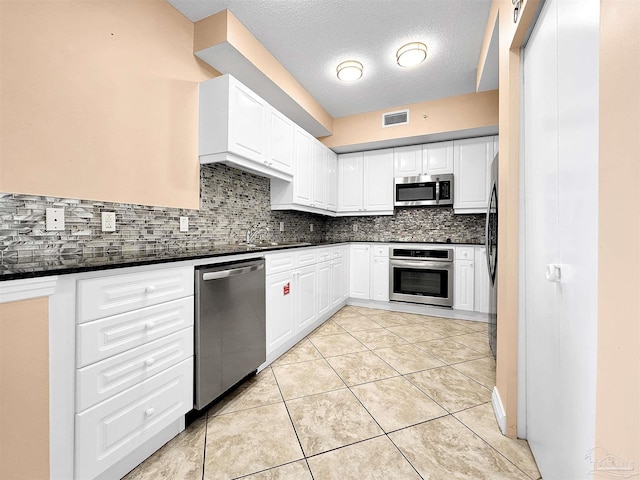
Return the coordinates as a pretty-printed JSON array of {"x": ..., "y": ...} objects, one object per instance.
[
  {"x": 149, "y": 325},
  {"x": 149, "y": 361},
  {"x": 150, "y": 289},
  {"x": 149, "y": 412}
]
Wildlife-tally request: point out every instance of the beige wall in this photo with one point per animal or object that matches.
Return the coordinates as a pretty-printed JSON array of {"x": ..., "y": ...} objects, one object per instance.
[
  {"x": 475, "y": 110},
  {"x": 618, "y": 377},
  {"x": 98, "y": 100},
  {"x": 24, "y": 390},
  {"x": 224, "y": 26}
]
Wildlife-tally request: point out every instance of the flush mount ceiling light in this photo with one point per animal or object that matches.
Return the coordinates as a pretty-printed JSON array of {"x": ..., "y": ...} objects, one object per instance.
[
  {"x": 349, "y": 71},
  {"x": 411, "y": 54}
]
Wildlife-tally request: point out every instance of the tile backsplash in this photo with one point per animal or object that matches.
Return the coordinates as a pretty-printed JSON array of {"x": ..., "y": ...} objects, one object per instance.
[{"x": 230, "y": 202}]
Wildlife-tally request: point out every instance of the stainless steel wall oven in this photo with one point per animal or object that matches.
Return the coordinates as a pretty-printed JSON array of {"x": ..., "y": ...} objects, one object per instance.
[{"x": 421, "y": 275}]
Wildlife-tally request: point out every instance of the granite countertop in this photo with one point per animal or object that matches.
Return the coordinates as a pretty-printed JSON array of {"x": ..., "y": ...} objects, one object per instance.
[{"x": 46, "y": 265}]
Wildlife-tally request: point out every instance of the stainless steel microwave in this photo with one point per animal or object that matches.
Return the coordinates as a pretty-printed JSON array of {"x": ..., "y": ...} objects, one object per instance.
[{"x": 423, "y": 190}]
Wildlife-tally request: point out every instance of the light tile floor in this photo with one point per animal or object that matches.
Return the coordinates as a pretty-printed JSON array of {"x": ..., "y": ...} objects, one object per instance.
[{"x": 368, "y": 395}]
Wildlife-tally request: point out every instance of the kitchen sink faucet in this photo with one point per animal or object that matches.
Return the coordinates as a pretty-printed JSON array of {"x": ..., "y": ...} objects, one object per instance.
[{"x": 254, "y": 231}]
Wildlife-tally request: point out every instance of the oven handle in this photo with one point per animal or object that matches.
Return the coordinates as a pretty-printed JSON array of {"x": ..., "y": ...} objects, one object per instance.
[{"x": 446, "y": 265}]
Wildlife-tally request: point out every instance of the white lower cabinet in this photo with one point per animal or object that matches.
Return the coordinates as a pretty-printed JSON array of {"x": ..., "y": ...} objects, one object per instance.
[
  {"x": 134, "y": 364},
  {"x": 280, "y": 321},
  {"x": 109, "y": 431},
  {"x": 481, "y": 281},
  {"x": 464, "y": 288},
  {"x": 380, "y": 279},
  {"x": 359, "y": 271},
  {"x": 324, "y": 288},
  {"x": 305, "y": 297}
]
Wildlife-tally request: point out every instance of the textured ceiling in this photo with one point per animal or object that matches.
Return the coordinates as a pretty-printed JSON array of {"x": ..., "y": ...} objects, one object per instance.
[{"x": 310, "y": 37}]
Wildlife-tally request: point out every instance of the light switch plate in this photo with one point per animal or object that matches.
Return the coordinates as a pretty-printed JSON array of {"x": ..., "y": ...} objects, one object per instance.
[
  {"x": 108, "y": 221},
  {"x": 311, "y": 227},
  {"x": 355, "y": 227},
  {"x": 282, "y": 226},
  {"x": 184, "y": 224},
  {"x": 55, "y": 219}
]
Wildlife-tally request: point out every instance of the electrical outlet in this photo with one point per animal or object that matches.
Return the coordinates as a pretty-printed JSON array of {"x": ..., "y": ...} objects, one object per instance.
[
  {"x": 108, "y": 221},
  {"x": 184, "y": 224},
  {"x": 55, "y": 219},
  {"x": 355, "y": 227},
  {"x": 282, "y": 226},
  {"x": 311, "y": 227}
]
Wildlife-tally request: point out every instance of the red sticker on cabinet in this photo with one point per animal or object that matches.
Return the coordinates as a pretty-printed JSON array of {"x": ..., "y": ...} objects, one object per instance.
[{"x": 286, "y": 289}]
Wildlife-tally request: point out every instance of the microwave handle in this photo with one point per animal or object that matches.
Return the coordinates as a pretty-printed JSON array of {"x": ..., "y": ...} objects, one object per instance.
[{"x": 437, "y": 191}]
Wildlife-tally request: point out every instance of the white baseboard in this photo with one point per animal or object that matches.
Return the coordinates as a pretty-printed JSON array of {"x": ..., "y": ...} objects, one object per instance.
[
  {"x": 434, "y": 311},
  {"x": 498, "y": 410}
]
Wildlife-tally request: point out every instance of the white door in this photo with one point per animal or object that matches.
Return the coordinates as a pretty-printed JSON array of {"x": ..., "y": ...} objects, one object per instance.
[
  {"x": 350, "y": 182},
  {"x": 302, "y": 163},
  {"x": 472, "y": 169},
  {"x": 359, "y": 271},
  {"x": 280, "y": 130},
  {"x": 337, "y": 281},
  {"x": 437, "y": 158},
  {"x": 305, "y": 297},
  {"x": 463, "y": 287},
  {"x": 407, "y": 161},
  {"x": 380, "y": 279},
  {"x": 319, "y": 176},
  {"x": 247, "y": 123},
  {"x": 280, "y": 309},
  {"x": 378, "y": 180},
  {"x": 560, "y": 106}
]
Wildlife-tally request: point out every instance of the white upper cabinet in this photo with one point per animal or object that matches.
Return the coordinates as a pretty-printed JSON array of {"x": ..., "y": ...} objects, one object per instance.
[
  {"x": 239, "y": 128},
  {"x": 280, "y": 154},
  {"x": 472, "y": 169},
  {"x": 320, "y": 176},
  {"x": 350, "y": 182},
  {"x": 437, "y": 158},
  {"x": 365, "y": 183},
  {"x": 303, "y": 163},
  {"x": 407, "y": 161},
  {"x": 332, "y": 181},
  {"x": 378, "y": 181},
  {"x": 429, "y": 159}
]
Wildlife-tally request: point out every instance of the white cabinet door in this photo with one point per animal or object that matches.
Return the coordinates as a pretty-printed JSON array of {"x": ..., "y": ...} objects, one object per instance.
[
  {"x": 359, "y": 271},
  {"x": 346, "y": 275},
  {"x": 407, "y": 161},
  {"x": 463, "y": 288},
  {"x": 437, "y": 158},
  {"x": 496, "y": 145},
  {"x": 324, "y": 288},
  {"x": 319, "y": 176},
  {"x": 302, "y": 167},
  {"x": 378, "y": 180},
  {"x": 280, "y": 309},
  {"x": 332, "y": 181},
  {"x": 481, "y": 281},
  {"x": 350, "y": 182},
  {"x": 247, "y": 123},
  {"x": 305, "y": 297},
  {"x": 380, "y": 279},
  {"x": 472, "y": 169},
  {"x": 337, "y": 281},
  {"x": 280, "y": 142}
]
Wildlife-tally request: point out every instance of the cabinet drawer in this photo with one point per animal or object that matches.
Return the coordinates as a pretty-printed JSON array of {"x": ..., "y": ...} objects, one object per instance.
[
  {"x": 105, "y": 296},
  {"x": 464, "y": 253},
  {"x": 381, "y": 250},
  {"x": 280, "y": 262},
  {"x": 304, "y": 258},
  {"x": 103, "y": 338},
  {"x": 337, "y": 252},
  {"x": 323, "y": 255},
  {"x": 95, "y": 383},
  {"x": 109, "y": 431}
]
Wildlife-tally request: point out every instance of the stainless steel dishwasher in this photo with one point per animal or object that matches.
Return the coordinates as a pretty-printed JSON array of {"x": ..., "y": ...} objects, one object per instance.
[{"x": 230, "y": 316}]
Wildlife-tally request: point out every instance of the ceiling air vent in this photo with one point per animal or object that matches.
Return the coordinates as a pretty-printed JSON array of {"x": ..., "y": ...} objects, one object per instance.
[{"x": 392, "y": 119}]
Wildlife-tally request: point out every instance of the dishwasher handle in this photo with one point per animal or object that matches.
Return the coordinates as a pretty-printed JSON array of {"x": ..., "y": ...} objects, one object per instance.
[{"x": 232, "y": 272}]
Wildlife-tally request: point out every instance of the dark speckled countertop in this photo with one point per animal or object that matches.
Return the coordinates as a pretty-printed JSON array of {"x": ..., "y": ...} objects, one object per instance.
[{"x": 68, "y": 264}]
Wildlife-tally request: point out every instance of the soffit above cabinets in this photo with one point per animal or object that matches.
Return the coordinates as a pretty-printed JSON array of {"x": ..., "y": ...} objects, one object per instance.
[{"x": 310, "y": 38}]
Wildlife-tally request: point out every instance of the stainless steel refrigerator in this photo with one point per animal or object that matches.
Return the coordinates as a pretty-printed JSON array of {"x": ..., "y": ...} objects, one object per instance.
[{"x": 491, "y": 243}]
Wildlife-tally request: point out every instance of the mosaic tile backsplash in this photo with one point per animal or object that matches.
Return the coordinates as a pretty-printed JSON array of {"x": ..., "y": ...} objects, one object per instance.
[{"x": 230, "y": 202}]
